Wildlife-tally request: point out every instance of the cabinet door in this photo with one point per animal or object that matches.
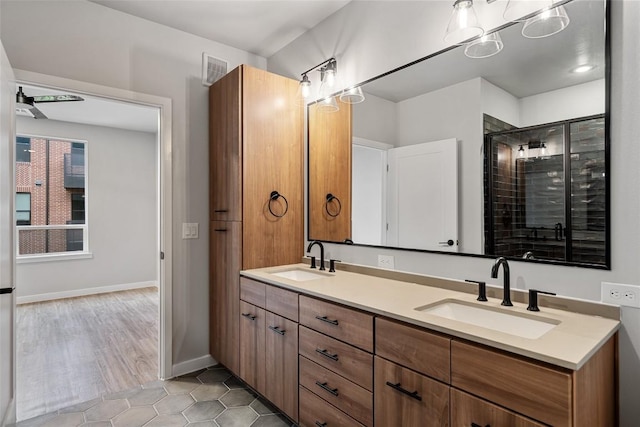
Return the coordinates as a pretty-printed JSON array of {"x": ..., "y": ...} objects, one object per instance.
[
  {"x": 281, "y": 369},
  {"x": 408, "y": 399},
  {"x": 225, "y": 143},
  {"x": 252, "y": 346},
  {"x": 330, "y": 173},
  {"x": 224, "y": 292},
  {"x": 467, "y": 411},
  {"x": 272, "y": 161}
]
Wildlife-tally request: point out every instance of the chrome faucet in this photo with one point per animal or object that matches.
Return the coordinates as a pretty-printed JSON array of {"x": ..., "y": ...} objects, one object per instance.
[
  {"x": 506, "y": 293},
  {"x": 315, "y": 242}
]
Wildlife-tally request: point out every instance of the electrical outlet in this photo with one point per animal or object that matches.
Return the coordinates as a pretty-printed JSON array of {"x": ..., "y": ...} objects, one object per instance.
[
  {"x": 621, "y": 294},
  {"x": 386, "y": 261}
]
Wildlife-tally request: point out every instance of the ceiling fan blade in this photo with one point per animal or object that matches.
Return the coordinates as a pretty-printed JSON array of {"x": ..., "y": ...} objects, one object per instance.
[
  {"x": 57, "y": 98},
  {"x": 37, "y": 114}
]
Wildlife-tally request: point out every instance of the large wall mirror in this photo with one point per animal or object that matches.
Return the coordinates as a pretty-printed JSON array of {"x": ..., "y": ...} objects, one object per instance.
[{"x": 502, "y": 155}]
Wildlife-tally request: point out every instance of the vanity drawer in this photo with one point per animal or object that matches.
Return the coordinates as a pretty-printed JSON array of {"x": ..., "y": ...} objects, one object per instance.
[
  {"x": 253, "y": 292},
  {"x": 340, "y": 392},
  {"x": 415, "y": 348},
  {"x": 282, "y": 302},
  {"x": 346, "y": 324},
  {"x": 527, "y": 387},
  {"x": 467, "y": 410},
  {"x": 315, "y": 412},
  {"x": 343, "y": 359},
  {"x": 408, "y": 399}
]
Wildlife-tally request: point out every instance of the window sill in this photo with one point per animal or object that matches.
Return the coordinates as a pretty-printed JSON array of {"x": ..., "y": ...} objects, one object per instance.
[{"x": 62, "y": 256}]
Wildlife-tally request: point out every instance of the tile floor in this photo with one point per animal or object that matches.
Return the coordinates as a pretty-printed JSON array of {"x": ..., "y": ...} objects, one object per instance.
[{"x": 207, "y": 398}]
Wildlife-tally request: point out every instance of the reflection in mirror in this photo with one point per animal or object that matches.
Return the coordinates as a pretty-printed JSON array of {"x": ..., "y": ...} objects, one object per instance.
[{"x": 406, "y": 192}]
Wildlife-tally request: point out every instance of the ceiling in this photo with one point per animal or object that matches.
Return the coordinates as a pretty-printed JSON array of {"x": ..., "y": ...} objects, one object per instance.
[
  {"x": 261, "y": 27},
  {"x": 95, "y": 111}
]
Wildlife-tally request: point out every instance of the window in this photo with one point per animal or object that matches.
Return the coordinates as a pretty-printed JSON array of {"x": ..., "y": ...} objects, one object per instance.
[
  {"x": 50, "y": 198},
  {"x": 23, "y": 149},
  {"x": 23, "y": 208}
]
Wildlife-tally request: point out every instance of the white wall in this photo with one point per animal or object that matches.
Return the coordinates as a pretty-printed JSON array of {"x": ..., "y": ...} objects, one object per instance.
[
  {"x": 122, "y": 211},
  {"x": 375, "y": 119},
  {"x": 390, "y": 34},
  {"x": 88, "y": 42}
]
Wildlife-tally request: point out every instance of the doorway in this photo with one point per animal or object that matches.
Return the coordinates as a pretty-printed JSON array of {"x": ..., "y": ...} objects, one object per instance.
[{"x": 161, "y": 191}]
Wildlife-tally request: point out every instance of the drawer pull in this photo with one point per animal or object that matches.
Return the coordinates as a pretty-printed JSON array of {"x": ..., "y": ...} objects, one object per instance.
[
  {"x": 413, "y": 394},
  {"x": 277, "y": 330},
  {"x": 326, "y": 354},
  {"x": 249, "y": 316},
  {"x": 478, "y": 425},
  {"x": 327, "y": 320},
  {"x": 319, "y": 424},
  {"x": 220, "y": 210},
  {"x": 325, "y": 387}
]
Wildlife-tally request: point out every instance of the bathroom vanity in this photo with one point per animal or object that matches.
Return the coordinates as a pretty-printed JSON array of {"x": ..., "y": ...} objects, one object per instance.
[{"x": 382, "y": 348}]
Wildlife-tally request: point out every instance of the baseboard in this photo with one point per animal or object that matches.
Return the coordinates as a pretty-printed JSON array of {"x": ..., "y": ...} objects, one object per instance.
[
  {"x": 82, "y": 292},
  {"x": 10, "y": 415},
  {"x": 192, "y": 365}
]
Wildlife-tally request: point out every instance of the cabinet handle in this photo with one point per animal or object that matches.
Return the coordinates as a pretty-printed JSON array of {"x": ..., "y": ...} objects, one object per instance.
[
  {"x": 249, "y": 316},
  {"x": 413, "y": 394},
  {"x": 221, "y": 210},
  {"x": 277, "y": 330},
  {"x": 325, "y": 387},
  {"x": 326, "y": 319},
  {"x": 319, "y": 424},
  {"x": 478, "y": 425},
  {"x": 221, "y": 229},
  {"x": 326, "y": 354}
]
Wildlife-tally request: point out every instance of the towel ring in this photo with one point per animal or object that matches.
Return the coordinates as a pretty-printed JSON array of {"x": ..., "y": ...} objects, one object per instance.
[
  {"x": 330, "y": 198},
  {"x": 275, "y": 196}
]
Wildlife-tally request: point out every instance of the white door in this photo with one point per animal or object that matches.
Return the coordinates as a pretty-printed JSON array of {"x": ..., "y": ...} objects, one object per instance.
[
  {"x": 7, "y": 241},
  {"x": 423, "y": 196}
]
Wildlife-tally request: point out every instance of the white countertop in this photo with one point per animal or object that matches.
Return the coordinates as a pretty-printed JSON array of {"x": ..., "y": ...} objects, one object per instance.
[{"x": 569, "y": 344}]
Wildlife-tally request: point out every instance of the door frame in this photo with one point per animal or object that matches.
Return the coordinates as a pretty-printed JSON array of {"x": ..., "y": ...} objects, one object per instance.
[{"x": 164, "y": 192}]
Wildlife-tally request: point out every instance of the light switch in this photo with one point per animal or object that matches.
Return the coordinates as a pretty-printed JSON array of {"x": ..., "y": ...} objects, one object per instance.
[{"x": 189, "y": 230}]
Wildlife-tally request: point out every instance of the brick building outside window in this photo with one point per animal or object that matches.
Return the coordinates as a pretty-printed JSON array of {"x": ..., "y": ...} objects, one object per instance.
[{"x": 50, "y": 195}]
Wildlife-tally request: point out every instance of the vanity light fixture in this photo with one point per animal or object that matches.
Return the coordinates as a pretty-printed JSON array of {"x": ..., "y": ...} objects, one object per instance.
[
  {"x": 521, "y": 152},
  {"x": 543, "y": 150},
  {"x": 547, "y": 23},
  {"x": 328, "y": 70},
  {"x": 463, "y": 24},
  {"x": 484, "y": 47},
  {"x": 352, "y": 95},
  {"x": 328, "y": 104},
  {"x": 304, "y": 88}
]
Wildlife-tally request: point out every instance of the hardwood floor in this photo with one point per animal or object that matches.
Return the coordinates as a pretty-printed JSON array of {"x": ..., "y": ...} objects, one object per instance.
[{"x": 73, "y": 350}]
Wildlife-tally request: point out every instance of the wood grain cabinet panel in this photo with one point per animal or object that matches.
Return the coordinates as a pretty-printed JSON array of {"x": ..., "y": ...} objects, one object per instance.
[
  {"x": 415, "y": 348},
  {"x": 467, "y": 411},
  {"x": 226, "y": 249},
  {"x": 281, "y": 364},
  {"x": 346, "y": 324},
  {"x": 529, "y": 388},
  {"x": 340, "y": 392},
  {"x": 282, "y": 302},
  {"x": 252, "y": 346},
  {"x": 315, "y": 412},
  {"x": 253, "y": 292},
  {"x": 407, "y": 399},
  {"x": 352, "y": 363}
]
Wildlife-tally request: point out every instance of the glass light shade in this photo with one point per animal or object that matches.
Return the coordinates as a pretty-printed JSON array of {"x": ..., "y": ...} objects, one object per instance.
[
  {"x": 516, "y": 10},
  {"x": 484, "y": 47},
  {"x": 328, "y": 104},
  {"x": 546, "y": 24},
  {"x": 521, "y": 152},
  {"x": 304, "y": 88},
  {"x": 352, "y": 95},
  {"x": 463, "y": 24}
]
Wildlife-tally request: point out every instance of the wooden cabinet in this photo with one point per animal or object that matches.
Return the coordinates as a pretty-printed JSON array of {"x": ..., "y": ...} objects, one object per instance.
[
  {"x": 406, "y": 398},
  {"x": 467, "y": 410},
  {"x": 336, "y": 364},
  {"x": 269, "y": 344},
  {"x": 225, "y": 241},
  {"x": 256, "y": 148},
  {"x": 330, "y": 139}
]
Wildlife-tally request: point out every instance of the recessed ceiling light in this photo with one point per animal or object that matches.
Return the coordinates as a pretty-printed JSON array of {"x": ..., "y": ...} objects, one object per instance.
[{"x": 583, "y": 69}]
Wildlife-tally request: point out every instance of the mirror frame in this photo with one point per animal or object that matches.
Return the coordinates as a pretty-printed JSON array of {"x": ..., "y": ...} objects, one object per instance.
[{"x": 607, "y": 155}]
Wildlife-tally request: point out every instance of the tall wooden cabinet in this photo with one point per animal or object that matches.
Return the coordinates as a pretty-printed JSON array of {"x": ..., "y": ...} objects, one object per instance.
[{"x": 256, "y": 190}]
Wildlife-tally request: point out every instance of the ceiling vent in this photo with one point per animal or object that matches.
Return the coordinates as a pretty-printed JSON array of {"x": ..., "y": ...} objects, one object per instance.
[{"x": 212, "y": 69}]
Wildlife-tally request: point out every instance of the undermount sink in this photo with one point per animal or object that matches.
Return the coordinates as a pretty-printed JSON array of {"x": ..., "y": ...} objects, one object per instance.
[
  {"x": 517, "y": 324},
  {"x": 300, "y": 275}
]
